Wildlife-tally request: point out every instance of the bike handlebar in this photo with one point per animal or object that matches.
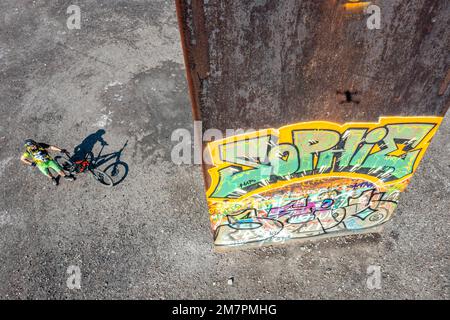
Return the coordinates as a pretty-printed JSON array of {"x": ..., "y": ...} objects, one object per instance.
[{"x": 67, "y": 153}]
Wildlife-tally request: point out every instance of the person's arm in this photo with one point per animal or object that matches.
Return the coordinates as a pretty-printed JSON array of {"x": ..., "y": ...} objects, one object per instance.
[
  {"x": 27, "y": 161},
  {"x": 55, "y": 148}
]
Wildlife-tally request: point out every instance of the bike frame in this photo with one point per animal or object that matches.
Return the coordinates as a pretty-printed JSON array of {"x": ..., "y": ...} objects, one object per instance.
[{"x": 82, "y": 165}]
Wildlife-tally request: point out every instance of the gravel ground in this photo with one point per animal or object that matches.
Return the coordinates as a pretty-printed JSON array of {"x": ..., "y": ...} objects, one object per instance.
[{"x": 149, "y": 237}]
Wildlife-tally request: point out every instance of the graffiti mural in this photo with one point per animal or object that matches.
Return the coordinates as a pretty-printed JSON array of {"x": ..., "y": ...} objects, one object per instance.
[{"x": 311, "y": 179}]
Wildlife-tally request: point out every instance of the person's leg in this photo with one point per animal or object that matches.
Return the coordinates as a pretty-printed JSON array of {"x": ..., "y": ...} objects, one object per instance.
[
  {"x": 43, "y": 167},
  {"x": 55, "y": 166}
]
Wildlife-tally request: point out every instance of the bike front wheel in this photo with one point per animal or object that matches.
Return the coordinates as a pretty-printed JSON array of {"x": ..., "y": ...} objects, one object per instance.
[{"x": 102, "y": 177}]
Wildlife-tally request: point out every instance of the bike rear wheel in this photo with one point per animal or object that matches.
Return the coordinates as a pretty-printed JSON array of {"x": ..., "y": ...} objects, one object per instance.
[
  {"x": 102, "y": 177},
  {"x": 65, "y": 163}
]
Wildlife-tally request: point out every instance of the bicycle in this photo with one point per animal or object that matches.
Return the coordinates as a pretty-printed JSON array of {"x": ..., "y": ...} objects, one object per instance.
[{"x": 83, "y": 165}]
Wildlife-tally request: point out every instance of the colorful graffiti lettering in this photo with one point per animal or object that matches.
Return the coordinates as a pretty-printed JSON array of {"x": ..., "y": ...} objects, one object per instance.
[{"x": 312, "y": 178}]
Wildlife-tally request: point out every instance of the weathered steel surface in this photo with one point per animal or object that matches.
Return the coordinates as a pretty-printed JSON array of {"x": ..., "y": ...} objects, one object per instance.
[{"x": 267, "y": 64}]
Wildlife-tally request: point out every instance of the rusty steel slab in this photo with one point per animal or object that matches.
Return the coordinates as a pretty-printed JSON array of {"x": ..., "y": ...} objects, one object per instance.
[{"x": 337, "y": 115}]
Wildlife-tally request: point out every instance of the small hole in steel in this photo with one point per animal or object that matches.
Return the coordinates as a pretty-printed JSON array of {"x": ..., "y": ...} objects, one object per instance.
[{"x": 348, "y": 96}]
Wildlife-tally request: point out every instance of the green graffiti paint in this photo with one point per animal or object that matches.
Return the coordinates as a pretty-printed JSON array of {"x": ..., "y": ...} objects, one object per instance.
[{"x": 387, "y": 151}]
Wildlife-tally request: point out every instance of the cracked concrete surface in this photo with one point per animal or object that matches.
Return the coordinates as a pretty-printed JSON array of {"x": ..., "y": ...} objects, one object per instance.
[{"x": 149, "y": 236}]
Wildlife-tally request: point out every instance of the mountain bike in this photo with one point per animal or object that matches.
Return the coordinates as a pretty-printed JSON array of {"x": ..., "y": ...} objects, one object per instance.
[{"x": 84, "y": 165}]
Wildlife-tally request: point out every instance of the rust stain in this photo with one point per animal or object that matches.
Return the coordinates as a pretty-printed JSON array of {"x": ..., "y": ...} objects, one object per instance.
[
  {"x": 195, "y": 49},
  {"x": 181, "y": 11},
  {"x": 200, "y": 50},
  {"x": 194, "y": 41}
]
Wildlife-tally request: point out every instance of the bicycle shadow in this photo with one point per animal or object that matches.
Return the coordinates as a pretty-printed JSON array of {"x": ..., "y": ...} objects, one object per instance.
[
  {"x": 110, "y": 163},
  {"x": 118, "y": 169}
]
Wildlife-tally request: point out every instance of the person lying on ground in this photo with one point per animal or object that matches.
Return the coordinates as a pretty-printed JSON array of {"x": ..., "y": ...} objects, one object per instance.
[{"x": 36, "y": 154}]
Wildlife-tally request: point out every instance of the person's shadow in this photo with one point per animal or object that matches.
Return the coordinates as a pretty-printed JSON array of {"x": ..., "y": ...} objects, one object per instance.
[
  {"x": 84, "y": 149},
  {"x": 117, "y": 169}
]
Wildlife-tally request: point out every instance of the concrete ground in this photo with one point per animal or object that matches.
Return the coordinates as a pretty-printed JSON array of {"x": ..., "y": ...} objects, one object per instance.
[{"x": 149, "y": 236}]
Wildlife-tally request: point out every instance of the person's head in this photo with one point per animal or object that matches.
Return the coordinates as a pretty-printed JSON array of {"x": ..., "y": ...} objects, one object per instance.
[{"x": 30, "y": 144}]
